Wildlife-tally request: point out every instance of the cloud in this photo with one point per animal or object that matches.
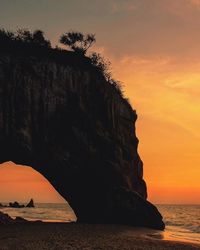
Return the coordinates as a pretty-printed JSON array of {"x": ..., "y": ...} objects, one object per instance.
[
  {"x": 195, "y": 2},
  {"x": 164, "y": 87},
  {"x": 124, "y": 6}
]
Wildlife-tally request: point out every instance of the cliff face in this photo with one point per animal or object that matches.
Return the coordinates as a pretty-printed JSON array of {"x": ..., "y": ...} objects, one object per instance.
[{"x": 72, "y": 126}]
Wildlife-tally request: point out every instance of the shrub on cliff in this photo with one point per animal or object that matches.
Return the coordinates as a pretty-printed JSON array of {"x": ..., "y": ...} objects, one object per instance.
[
  {"x": 77, "y": 41},
  {"x": 35, "y": 38},
  {"x": 6, "y": 36},
  {"x": 103, "y": 66},
  {"x": 26, "y": 37}
]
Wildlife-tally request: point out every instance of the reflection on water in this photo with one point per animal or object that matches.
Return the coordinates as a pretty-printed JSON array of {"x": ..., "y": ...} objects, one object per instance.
[{"x": 182, "y": 222}]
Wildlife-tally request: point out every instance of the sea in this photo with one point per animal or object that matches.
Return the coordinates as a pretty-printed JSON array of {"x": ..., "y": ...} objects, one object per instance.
[{"x": 182, "y": 221}]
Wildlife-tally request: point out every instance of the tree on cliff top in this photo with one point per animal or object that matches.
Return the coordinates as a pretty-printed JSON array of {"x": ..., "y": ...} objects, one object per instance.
[
  {"x": 78, "y": 42},
  {"x": 25, "y": 36},
  {"x": 37, "y": 37},
  {"x": 6, "y": 35}
]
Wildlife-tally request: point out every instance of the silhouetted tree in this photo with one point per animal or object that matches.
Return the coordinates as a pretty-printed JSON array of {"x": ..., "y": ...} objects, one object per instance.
[
  {"x": 103, "y": 65},
  {"x": 118, "y": 86},
  {"x": 24, "y": 35},
  {"x": 78, "y": 42},
  {"x": 6, "y": 35},
  {"x": 37, "y": 37}
]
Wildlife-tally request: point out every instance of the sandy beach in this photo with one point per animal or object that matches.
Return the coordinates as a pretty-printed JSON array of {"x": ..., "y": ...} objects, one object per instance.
[{"x": 62, "y": 236}]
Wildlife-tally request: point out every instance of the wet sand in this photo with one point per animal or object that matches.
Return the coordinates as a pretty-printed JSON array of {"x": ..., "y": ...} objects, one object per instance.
[{"x": 63, "y": 236}]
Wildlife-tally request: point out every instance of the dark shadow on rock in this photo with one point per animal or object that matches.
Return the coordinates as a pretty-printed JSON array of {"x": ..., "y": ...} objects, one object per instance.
[
  {"x": 61, "y": 117},
  {"x": 15, "y": 205},
  {"x": 31, "y": 203}
]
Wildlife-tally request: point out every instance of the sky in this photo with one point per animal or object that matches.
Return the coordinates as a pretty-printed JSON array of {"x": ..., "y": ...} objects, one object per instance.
[
  {"x": 21, "y": 183},
  {"x": 154, "y": 48}
]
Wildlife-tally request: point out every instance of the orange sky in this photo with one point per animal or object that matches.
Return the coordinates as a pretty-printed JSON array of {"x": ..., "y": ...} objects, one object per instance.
[
  {"x": 154, "y": 47},
  {"x": 168, "y": 125},
  {"x": 21, "y": 183}
]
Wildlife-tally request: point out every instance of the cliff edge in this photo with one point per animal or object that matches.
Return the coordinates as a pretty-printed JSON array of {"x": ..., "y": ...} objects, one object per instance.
[{"x": 63, "y": 118}]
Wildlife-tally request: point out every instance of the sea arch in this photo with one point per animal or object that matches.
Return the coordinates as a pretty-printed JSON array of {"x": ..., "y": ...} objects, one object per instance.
[
  {"x": 59, "y": 115},
  {"x": 21, "y": 183}
]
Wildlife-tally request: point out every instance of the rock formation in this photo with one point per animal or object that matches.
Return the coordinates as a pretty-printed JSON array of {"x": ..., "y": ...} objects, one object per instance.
[
  {"x": 15, "y": 205},
  {"x": 66, "y": 121},
  {"x": 5, "y": 219},
  {"x": 30, "y": 204}
]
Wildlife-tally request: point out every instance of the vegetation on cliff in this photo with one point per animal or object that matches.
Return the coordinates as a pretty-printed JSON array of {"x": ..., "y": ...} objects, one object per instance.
[
  {"x": 78, "y": 42},
  {"x": 26, "y": 43}
]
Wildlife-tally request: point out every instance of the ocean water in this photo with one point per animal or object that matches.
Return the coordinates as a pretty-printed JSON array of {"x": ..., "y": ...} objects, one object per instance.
[
  {"x": 182, "y": 221},
  {"x": 47, "y": 212}
]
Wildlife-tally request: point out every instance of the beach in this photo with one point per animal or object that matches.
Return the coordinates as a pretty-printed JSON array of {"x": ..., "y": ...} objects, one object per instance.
[{"x": 66, "y": 236}]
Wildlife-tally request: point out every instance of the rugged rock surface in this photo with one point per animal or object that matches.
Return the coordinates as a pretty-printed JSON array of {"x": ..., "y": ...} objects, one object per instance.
[
  {"x": 19, "y": 219},
  {"x": 30, "y": 204},
  {"x": 73, "y": 127},
  {"x": 5, "y": 219},
  {"x": 15, "y": 205}
]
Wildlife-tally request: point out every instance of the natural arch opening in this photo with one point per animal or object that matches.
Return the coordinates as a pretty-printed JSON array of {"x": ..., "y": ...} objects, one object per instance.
[{"x": 21, "y": 183}]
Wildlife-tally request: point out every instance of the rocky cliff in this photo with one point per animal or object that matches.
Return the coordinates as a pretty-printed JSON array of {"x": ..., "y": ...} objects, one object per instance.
[{"x": 67, "y": 122}]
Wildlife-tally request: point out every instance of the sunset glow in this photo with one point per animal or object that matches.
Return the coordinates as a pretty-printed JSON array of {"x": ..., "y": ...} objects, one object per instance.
[
  {"x": 21, "y": 183},
  {"x": 154, "y": 48},
  {"x": 168, "y": 107}
]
